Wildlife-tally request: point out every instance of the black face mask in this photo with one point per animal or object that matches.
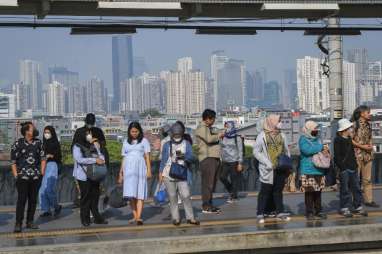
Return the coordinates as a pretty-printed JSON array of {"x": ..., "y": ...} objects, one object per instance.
[
  {"x": 36, "y": 133},
  {"x": 314, "y": 133}
]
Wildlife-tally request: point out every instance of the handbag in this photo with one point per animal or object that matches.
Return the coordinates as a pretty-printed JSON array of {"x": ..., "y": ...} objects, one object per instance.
[
  {"x": 115, "y": 195},
  {"x": 94, "y": 172},
  {"x": 177, "y": 171},
  {"x": 160, "y": 195},
  {"x": 284, "y": 163},
  {"x": 321, "y": 160}
]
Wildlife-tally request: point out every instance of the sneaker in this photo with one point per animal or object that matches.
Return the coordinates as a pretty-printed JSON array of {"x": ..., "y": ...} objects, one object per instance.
[
  {"x": 45, "y": 214},
  {"x": 18, "y": 228},
  {"x": 31, "y": 225},
  {"x": 360, "y": 211},
  {"x": 260, "y": 219},
  {"x": 176, "y": 222},
  {"x": 193, "y": 222},
  {"x": 346, "y": 213},
  {"x": 232, "y": 200},
  {"x": 372, "y": 204},
  {"x": 322, "y": 216},
  {"x": 210, "y": 210},
  {"x": 310, "y": 216},
  {"x": 217, "y": 209},
  {"x": 57, "y": 211},
  {"x": 283, "y": 217}
]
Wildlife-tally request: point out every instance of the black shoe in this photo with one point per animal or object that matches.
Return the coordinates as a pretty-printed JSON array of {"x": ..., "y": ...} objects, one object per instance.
[
  {"x": 193, "y": 222},
  {"x": 211, "y": 210},
  {"x": 86, "y": 224},
  {"x": 310, "y": 217},
  {"x": 101, "y": 222},
  {"x": 322, "y": 216},
  {"x": 176, "y": 222},
  {"x": 45, "y": 214},
  {"x": 372, "y": 204},
  {"x": 18, "y": 228},
  {"x": 360, "y": 211},
  {"x": 31, "y": 225},
  {"x": 57, "y": 210},
  {"x": 139, "y": 222}
]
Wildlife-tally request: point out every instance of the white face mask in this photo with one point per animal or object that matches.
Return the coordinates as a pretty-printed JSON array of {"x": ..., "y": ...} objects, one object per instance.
[
  {"x": 177, "y": 139},
  {"x": 89, "y": 138},
  {"x": 47, "y": 135}
]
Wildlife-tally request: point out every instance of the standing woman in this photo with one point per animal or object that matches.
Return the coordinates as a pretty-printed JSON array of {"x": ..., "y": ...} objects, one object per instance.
[
  {"x": 48, "y": 190},
  {"x": 135, "y": 170},
  {"x": 178, "y": 151},
  {"x": 270, "y": 145},
  {"x": 89, "y": 189},
  {"x": 312, "y": 178}
]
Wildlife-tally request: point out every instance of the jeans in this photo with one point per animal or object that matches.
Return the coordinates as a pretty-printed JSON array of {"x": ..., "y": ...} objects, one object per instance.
[
  {"x": 229, "y": 170},
  {"x": 90, "y": 192},
  {"x": 209, "y": 168},
  {"x": 350, "y": 191},
  {"x": 48, "y": 191},
  {"x": 271, "y": 191},
  {"x": 27, "y": 190},
  {"x": 181, "y": 188}
]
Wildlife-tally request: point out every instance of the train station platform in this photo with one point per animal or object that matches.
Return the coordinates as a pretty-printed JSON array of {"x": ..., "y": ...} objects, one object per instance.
[{"x": 235, "y": 230}]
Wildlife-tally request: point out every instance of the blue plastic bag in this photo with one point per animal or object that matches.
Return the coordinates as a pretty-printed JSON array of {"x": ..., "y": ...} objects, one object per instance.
[{"x": 161, "y": 194}]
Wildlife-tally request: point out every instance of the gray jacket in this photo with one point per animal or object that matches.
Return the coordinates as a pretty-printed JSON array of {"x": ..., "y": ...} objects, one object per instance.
[
  {"x": 260, "y": 152},
  {"x": 232, "y": 151}
]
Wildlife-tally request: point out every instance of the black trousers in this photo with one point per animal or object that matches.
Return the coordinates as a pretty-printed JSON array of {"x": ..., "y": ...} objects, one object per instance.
[
  {"x": 271, "y": 195},
  {"x": 313, "y": 202},
  {"x": 230, "y": 178},
  {"x": 27, "y": 190},
  {"x": 90, "y": 192},
  {"x": 209, "y": 168}
]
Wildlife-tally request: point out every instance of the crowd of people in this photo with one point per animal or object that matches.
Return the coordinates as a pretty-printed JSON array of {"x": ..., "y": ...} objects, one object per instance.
[{"x": 35, "y": 166}]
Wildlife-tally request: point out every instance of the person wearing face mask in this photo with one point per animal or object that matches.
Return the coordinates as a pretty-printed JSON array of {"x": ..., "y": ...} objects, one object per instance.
[
  {"x": 312, "y": 178},
  {"x": 177, "y": 150},
  {"x": 345, "y": 160},
  {"x": 89, "y": 189},
  {"x": 48, "y": 192},
  {"x": 28, "y": 166},
  {"x": 269, "y": 146}
]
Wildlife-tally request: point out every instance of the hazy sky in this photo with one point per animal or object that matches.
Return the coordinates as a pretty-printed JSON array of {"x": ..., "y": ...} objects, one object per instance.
[{"x": 91, "y": 55}]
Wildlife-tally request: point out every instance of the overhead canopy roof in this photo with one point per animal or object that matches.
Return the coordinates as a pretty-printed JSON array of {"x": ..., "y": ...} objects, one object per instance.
[{"x": 268, "y": 9}]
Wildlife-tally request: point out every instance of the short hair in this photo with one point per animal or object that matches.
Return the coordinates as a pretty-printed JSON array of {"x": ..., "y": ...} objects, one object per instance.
[
  {"x": 25, "y": 127},
  {"x": 208, "y": 114},
  {"x": 90, "y": 119}
]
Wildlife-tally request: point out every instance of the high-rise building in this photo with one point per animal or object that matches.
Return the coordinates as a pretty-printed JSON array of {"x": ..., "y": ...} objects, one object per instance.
[
  {"x": 195, "y": 88},
  {"x": 55, "y": 99},
  {"x": 231, "y": 84},
  {"x": 184, "y": 64},
  {"x": 272, "y": 94},
  {"x": 289, "y": 89},
  {"x": 217, "y": 61},
  {"x": 7, "y": 105},
  {"x": 96, "y": 99},
  {"x": 312, "y": 85},
  {"x": 175, "y": 93},
  {"x": 259, "y": 80},
  {"x": 250, "y": 90},
  {"x": 209, "y": 94},
  {"x": 30, "y": 75},
  {"x": 76, "y": 99},
  {"x": 63, "y": 76},
  {"x": 22, "y": 93},
  {"x": 359, "y": 56},
  {"x": 371, "y": 87},
  {"x": 349, "y": 86},
  {"x": 131, "y": 95},
  {"x": 122, "y": 61},
  {"x": 152, "y": 92}
]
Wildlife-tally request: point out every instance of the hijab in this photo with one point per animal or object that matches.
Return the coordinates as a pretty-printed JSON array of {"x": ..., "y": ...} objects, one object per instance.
[
  {"x": 231, "y": 131},
  {"x": 270, "y": 124},
  {"x": 308, "y": 128}
]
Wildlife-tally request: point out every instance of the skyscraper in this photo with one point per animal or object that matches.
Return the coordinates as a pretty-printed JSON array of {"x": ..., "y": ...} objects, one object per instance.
[
  {"x": 22, "y": 93},
  {"x": 122, "y": 57},
  {"x": 359, "y": 56},
  {"x": 195, "y": 88},
  {"x": 96, "y": 99},
  {"x": 131, "y": 95},
  {"x": 349, "y": 86},
  {"x": 7, "y": 105},
  {"x": 231, "y": 84},
  {"x": 250, "y": 90},
  {"x": 184, "y": 64},
  {"x": 55, "y": 99},
  {"x": 175, "y": 93},
  {"x": 289, "y": 89},
  {"x": 76, "y": 99},
  {"x": 217, "y": 61},
  {"x": 63, "y": 76},
  {"x": 152, "y": 92},
  {"x": 30, "y": 75},
  {"x": 312, "y": 85},
  {"x": 259, "y": 80},
  {"x": 272, "y": 94}
]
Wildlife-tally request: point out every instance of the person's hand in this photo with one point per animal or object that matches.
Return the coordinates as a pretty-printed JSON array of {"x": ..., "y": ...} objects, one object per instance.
[
  {"x": 160, "y": 177},
  {"x": 96, "y": 144},
  {"x": 100, "y": 161},
  {"x": 120, "y": 177},
  {"x": 239, "y": 167},
  {"x": 367, "y": 147},
  {"x": 221, "y": 135}
]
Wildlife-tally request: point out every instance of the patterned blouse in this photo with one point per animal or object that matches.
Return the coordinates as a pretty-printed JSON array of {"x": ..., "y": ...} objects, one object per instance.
[
  {"x": 28, "y": 157},
  {"x": 275, "y": 145},
  {"x": 363, "y": 136}
]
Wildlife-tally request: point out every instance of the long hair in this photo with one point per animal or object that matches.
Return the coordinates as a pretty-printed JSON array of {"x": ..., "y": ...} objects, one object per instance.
[
  {"x": 137, "y": 126},
  {"x": 357, "y": 114}
]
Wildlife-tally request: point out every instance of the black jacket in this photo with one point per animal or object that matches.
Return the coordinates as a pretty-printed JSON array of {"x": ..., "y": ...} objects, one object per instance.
[{"x": 344, "y": 155}]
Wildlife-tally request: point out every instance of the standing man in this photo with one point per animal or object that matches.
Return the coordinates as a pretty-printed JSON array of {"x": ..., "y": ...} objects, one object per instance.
[
  {"x": 364, "y": 151},
  {"x": 28, "y": 167},
  {"x": 207, "y": 141}
]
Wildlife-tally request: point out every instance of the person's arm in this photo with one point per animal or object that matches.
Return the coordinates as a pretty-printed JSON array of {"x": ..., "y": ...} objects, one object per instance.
[
  {"x": 189, "y": 156},
  {"x": 260, "y": 154},
  {"x": 309, "y": 148},
  {"x": 14, "y": 152},
  {"x": 339, "y": 153},
  {"x": 367, "y": 147},
  {"x": 206, "y": 136},
  {"x": 79, "y": 158},
  {"x": 43, "y": 159},
  {"x": 165, "y": 155},
  {"x": 240, "y": 149},
  {"x": 147, "y": 148}
]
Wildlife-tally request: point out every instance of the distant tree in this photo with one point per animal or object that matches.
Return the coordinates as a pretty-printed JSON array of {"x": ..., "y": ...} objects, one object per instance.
[{"x": 152, "y": 112}]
